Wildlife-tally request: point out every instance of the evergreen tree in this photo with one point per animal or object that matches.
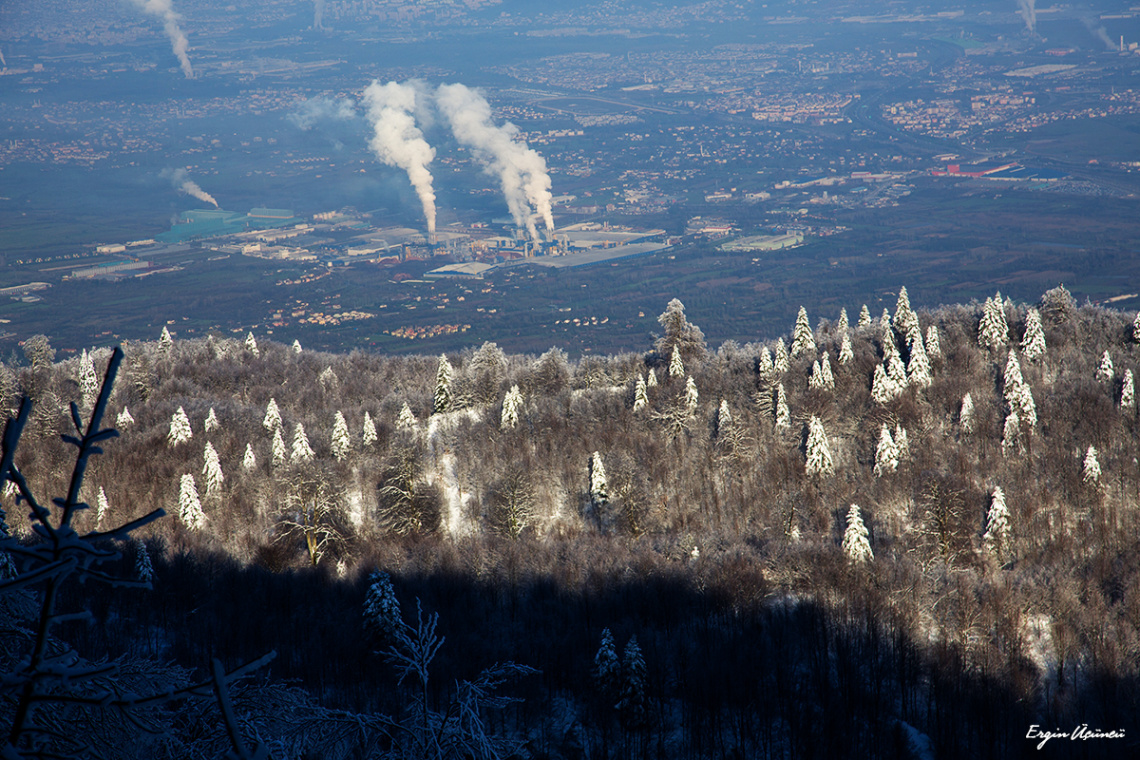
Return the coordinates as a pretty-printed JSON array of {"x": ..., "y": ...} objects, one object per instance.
[
  {"x": 997, "y": 536},
  {"x": 211, "y": 422},
  {"x": 607, "y": 669},
  {"x": 330, "y": 383},
  {"x": 631, "y": 707},
  {"x": 1127, "y": 391},
  {"x": 781, "y": 361},
  {"x": 1033, "y": 342},
  {"x": 599, "y": 488},
  {"x": 296, "y": 346},
  {"x": 818, "y": 452},
  {"x": 803, "y": 340},
  {"x": 905, "y": 320},
  {"x": 1105, "y": 372},
  {"x": 212, "y": 469},
  {"x": 382, "y": 618},
  {"x": 783, "y": 414},
  {"x": 886, "y": 329},
  {"x": 692, "y": 398},
  {"x": 101, "y": 508},
  {"x": 640, "y": 395},
  {"x": 368, "y": 431},
  {"x": 124, "y": 418},
  {"x": 443, "y": 380},
  {"x": 651, "y": 378},
  {"x": 272, "y": 420},
  {"x": 896, "y": 371},
  {"x": 815, "y": 377},
  {"x": 966, "y": 414},
  {"x": 680, "y": 333},
  {"x": 933, "y": 344},
  {"x": 277, "y": 449},
  {"x": 302, "y": 451},
  {"x": 144, "y": 569},
  {"x": 341, "y": 443},
  {"x": 764, "y": 365},
  {"x": 1136, "y": 328},
  {"x": 886, "y": 453},
  {"x": 249, "y": 461},
  {"x": 1090, "y": 470},
  {"x": 512, "y": 402},
  {"x": 676, "y": 366},
  {"x": 842, "y": 326},
  {"x": 993, "y": 330},
  {"x": 1012, "y": 379},
  {"x": 864, "y": 317},
  {"x": 1011, "y": 432},
  {"x": 88, "y": 381},
  {"x": 406, "y": 421},
  {"x": 846, "y": 352},
  {"x": 902, "y": 445},
  {"x": 165, "y": 342},
  {"x": 1026, "y": 407},
  {"x": 723, "y": 420},
  {"x": 189, "y": 505},
  {"x": 251, "y": 344},
  {"x": 826, "y": 378},
  {"x": 180, "y": 431},
  {"x": 918, "y": 368},
  {"x": 882, "y": 387},
  {"x": 856, "y": 539}
]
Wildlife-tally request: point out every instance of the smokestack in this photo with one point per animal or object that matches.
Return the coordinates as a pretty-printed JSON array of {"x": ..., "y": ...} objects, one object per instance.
[
  {"x": 522, "y": 172},
  {"x": 184, "y": 184},
  {"x": 178, "y": 42},
  {"x": 397, "y": 141}
]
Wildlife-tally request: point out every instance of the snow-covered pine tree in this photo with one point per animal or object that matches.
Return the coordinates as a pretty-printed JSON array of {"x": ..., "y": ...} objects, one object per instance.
[
  {"x": 818, "y": 453},
  {"x": 997, "y": 536},
  {"x": 933, "y": 344},
  {"x": 1136, "y": 328},
  {"x": 382, "y": 618},
  {"x": 691, "y": 396},
  {"x": 1090, "y": 469},
  {"x": 896, "y": 371},
  {"x": 189, "y": 505},
  {"x": 124, "y": 418},
  {"x": 803, "y": 339},
  {"x": 302, "y": 451},
  {"x": 443, "y": 393},
  {"x": 640, "y": 394},
  {"x": 1012, "y": 379},
  {"x": 211, "y": 422},
  {"x": 905, "y": 320},
  {"x": 368, "y": 431},
  {"x": 329, "y": 381},
  {"x": 723, "y": 420},
  {"x": 680, "y": 332},
  {"x": 651, "y": 378},
  {"x": 102, "y": 506},
  {"x": 864, "y": 317},
  {"x": 902, "y": 444},
  {"x": 512, "y": 402},
  {"x": 966, "y": 414},
  {"x": 631, "y": 706},
  {"x": 1105, "y": 371},
  {"x": 856, "y": 539},
  {"x": 1026, "y": 407},
  {"x": 886, "y": 454},
  {"x": 272, "y": 420},
  {"x": 1011, "y": 432},
  {"x": 781, "y": 361},
  {"x": 297, "y": 346},
  {"x": 676, "y": 366},
  {"x": 918, "y": 368},
  {"x": 885, "y": 327},
  {"x": 1127, "y": 391},
  {"x": 815, "y": 377},
  {"x": 599, "y": 488},
  {"x": 842, "y": 326},
  {"x": 882, "y": 387},
  {"x": 406, "y": 420},
  {"x": 993, "y": 330},
  {"x": 88, "y": 381},
  {"x": 251, "y": 344},
  {"x": 144, "y": 569},
  {"x": 341, "y": 443},
  {"x": 277, "y": 452},
  {"x": 249, "y": 461},
  {"x": 1033, "y": 342},
  {"x": 607, "y": 670},
  {"x": 165, "y": 342},
  {"x": 826, "y": 378},
  {"x": 180, "y": 431},
  {"x": 783, "y": 414},
  {"x": 212, "y": 470},
  {"x": 846, "y": 352},
  {"x": 764, "y": 365}
]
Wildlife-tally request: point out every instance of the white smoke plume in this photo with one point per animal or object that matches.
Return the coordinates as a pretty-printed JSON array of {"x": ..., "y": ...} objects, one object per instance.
[
  {"x": 1027, "y": 9},
  {"x": 318, "y": 14},
  {"x": 184, "y": 184},
  {"x": 397, "y": 141},
  {"x": 310, "y": 112},
  {"x": 1098, "y": 31},
  {"x": 178, "y": 42},
  {"x": 3, "y": 63},
  {"x": 521, "y": 171}
]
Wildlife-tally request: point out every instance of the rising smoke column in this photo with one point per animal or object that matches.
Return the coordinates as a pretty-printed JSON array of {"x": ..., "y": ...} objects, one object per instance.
[
  {"x": 178, "y": 41},
  {"x": 521, "y": 171},
  {"x": 184, "y": 184},
  {"x": 1027, "y": 9},
  {"x": 318, "y": 14},
  {"x": 397, "y": 141}
]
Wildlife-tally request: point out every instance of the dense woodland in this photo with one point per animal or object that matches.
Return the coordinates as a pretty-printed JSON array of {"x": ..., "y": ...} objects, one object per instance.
[{"x": 656, "y": 554}]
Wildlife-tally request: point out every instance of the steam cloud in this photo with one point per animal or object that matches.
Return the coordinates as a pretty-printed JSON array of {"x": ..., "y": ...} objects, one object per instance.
[
  {"x": 184, "y": 184},
  {"x": 178, "y": 42},
  {"x": 2, "y": 61},
  {"x": 397, "y": 141},
  {"x": 1098, "y": 31},
  {"x": 315, "y": 110},
  {"x": 522, "y": 171},
  {"x": 1027, "y": 9},
  {"x": 318, "y": 14}
]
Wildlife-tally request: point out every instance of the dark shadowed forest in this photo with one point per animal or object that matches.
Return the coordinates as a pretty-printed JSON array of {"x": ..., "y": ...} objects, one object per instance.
[{"x": 901, "y": 536}]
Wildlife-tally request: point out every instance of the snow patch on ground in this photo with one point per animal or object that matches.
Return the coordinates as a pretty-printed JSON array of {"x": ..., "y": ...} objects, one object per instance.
[
  {"x": 919, "y": 746},
  {"x": 443, "y": 472}
]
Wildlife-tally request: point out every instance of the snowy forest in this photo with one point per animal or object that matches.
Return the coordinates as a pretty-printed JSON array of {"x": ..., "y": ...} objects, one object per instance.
[{"x": 915, "y": 534}]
